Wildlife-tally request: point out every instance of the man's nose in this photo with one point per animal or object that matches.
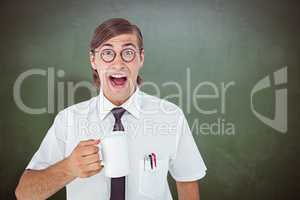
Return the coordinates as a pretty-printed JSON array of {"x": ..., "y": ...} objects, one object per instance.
[
  {"x": 118, "y": 62},
  {"x": 118, "y": 59}
]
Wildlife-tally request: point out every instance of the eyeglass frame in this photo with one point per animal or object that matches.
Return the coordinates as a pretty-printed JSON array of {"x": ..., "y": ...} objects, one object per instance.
[{"x": 93, "y": 51}]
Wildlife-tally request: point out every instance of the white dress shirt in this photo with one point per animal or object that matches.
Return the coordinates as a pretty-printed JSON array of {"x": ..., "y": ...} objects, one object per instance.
[{"x": 152, "y": 125}]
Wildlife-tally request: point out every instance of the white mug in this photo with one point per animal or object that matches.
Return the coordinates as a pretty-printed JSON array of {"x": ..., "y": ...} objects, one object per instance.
[{"x": 113, "y": 150}]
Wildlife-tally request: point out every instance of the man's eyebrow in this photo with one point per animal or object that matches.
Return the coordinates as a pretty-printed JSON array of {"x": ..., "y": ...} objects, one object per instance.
[
  {"x": 107, "y": 45},
  {"x": 129, "y": 44}
]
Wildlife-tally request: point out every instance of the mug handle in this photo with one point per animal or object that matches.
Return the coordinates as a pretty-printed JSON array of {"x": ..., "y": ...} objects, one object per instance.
[{"x": 101, "y": 154}]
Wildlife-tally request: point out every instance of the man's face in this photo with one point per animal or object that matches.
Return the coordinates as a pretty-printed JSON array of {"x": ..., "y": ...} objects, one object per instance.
[{"x": 118, "y": 61}]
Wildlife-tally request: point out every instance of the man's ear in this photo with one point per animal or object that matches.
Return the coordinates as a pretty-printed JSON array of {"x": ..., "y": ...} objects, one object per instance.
[
  {"x": 92, "y": 60},
  {"x": 142, "y": 57}
]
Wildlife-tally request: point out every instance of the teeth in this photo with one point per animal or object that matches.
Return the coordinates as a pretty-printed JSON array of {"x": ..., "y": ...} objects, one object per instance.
[{"x": 118, "y": 75}]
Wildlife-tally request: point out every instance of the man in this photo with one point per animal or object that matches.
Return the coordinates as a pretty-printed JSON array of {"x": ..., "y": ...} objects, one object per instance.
[{"x": 69, "y": 153}]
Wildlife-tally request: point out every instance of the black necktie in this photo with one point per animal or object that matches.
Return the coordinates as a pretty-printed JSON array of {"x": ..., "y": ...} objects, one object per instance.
[{"x": 117, "y": 189}]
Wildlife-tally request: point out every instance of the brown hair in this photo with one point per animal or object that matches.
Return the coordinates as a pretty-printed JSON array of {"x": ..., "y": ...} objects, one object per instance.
[{"x": 109, "y": 29}]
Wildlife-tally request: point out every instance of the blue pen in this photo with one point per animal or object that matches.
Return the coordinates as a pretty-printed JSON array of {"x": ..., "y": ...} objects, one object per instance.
[{"x": 151, "y": 161}]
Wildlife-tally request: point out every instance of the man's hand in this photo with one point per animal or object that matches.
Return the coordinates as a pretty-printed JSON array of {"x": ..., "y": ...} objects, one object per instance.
[{"x": 84, "y": 161}]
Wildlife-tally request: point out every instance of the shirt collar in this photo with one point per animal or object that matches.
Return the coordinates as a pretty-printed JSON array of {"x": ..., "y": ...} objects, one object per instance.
[{"x": 132, "y": 105}]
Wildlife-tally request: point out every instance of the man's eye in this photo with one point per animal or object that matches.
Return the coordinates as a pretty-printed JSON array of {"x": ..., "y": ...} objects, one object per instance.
[
  {"x": 107, "y": 52},
  {"x": 128, "y": 52}
]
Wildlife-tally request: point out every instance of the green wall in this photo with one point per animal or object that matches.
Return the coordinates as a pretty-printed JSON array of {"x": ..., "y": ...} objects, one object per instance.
[{"x": 215, "y": 41}]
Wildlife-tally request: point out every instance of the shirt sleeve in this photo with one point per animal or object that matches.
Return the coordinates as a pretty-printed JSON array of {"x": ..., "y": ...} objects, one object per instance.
[
  {"x": 52, "y": 148},
  {"x": 187, "y": 163}
]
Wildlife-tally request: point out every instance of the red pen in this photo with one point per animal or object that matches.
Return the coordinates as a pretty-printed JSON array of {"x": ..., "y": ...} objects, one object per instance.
[{"x": 154, "y": 159}]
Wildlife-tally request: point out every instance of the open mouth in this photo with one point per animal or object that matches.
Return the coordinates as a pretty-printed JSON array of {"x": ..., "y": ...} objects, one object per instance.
[{"x": 118, "y": 80}]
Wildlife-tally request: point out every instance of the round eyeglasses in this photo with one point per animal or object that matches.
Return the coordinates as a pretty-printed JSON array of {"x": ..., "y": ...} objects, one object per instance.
[{"x": 108, "y": 55}]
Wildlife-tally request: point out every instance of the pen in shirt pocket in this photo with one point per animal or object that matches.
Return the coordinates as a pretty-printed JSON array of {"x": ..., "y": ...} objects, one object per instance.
[
  {"x": 154, "y": 160},
  {"x": 151, "y": 163}
]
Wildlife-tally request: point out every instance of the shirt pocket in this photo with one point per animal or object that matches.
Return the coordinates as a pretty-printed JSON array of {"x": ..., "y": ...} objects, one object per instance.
[{"x": 152, "y": 183}]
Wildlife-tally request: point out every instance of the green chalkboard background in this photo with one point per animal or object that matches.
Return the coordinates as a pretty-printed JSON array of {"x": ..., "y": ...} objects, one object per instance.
[{"x": 215, "y": 41}]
